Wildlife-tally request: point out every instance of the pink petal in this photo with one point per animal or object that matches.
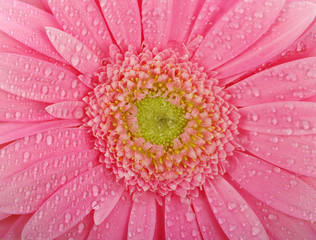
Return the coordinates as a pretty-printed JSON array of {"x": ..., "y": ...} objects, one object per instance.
[
  {"x": 209, "y": 226},
  {"x": 26, "y": 152},
  {"x": 73, "y": 51},
  {"x": 10, "y": 45},
  {"x": 290, "y": 81},
  {"x": 275, "y": 187},
  {"x": 115, "y": 225},
  {"x": 36, "y": 3},
  {"x": 309, "y": 180},
  {"x": 80, "y": 231},
  {"x": 17, "y": 193},
  {"x": 294, "y": 153},
  {"x": 107, "y": 203},
  {"x": 236, "y": 31},
  {"x": 84, "y": 21},
  {"x": 291, "y": 23},
  {"x": 25, "y": 23},
  {"x": 123, "y": 19},
  {"x": 280, "y": 225},
  {"x": 156, "y": 19},
  {"x": 15, "y": 230},
  {"x": 46, "y": 82},
  {"x": 18, "y": 109},
  {"x": 69, "y": 205},
  {"x": 188, "y": 10},
  {"x": 211, "y": 11},
  {"x": 45, "y": 5},
  {"x": 67, "y": 110},
  {"x": 6, "y": 224},
  {"x": 233, "y": 213},
  {"x": 143, "y": 217},
  {"x": 283, "y": 118},
  {"x": 180, "y": 220},
  {"x": 4, "y": 215},
  {"x": 13, "y": 131}
]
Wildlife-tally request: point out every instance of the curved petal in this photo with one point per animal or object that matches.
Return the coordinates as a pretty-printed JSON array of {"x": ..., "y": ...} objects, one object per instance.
[
  {"x": 18, "y": 109},
  {"x": 6, "y": 224},
  {"x": 278, "y": 224},
  {"x": 180, "y": 220},
  {"x": 15, "y": 230},
  {"x": 294, "y": 19},
  {"x": 156, "y": 19},
  {"x": 290, "y": 81},
  {"x": 209, "y": 226},
  {"x": 25, "y": 23},
  {"x": 13, "y": 131},
  {"x": 38, "y": 80},
  {"x": 282, "y": 118},
  {"x": 233, "y": 213},
  {"x": 230, "y": 37},
  {"x": 73, "y": 51},
  {"x": 275, "y": 187},
  {"x": 115, "y": 225},
  {"x": 26, "y": 152},
  {"x": 4, "y": 215},
  {"x": 294, "y": 153},
  {"x": 80, "y": 231},
  {"x": 18, "y": 194},
  {"x": 67, "y": 110},
  {"x": 209, "y": 14},
  {"x": 142, "y": 221},
  {"x": 36, "y": 3},
  {"x": 123, "y": 18},
  {"x": 69, "y": 205},
  {"x": 107, "y": 203},
  {"x": 84, "y": 21},
  {"x": 183, "y": 17}
]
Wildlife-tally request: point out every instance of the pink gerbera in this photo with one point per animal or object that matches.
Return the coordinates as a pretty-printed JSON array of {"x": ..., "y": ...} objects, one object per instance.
[{"x": 163, "y": 119}]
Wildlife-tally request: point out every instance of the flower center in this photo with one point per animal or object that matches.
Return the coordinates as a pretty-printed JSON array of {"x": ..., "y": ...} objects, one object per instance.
[{"x": 159, "y": 121}]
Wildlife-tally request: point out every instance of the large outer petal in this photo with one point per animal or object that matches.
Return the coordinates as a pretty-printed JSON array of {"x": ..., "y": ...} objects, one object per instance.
[
  {"x": 73, "y": 51},
  {"x": 22, "y": 193},
  {"x": 83, "y": 20},
  {"x": 27, "y": 24},
  {"x": 38, "y": 80},
  {"x": 13, "y": 131},
  {"x": 69, "y": 205},
  {"x": 142, "y": 221},
  {"x": 279, "y": 225},
  {"x": 282, "y": 118},
  {"x": 291, "y": 81},
  {"x": 67, "y": 110},
  {"x": 18, "y": 109},
  {"x": 156, "y": 19},
  {"x": 184, "y": 14},
  {"x": 233, "y": 213},
  {"x": 123, "y": 19},
  {"x": 116, "y": 225},
  {"x": 236, "y": 31},
  {"x": 180, "y": 220},
  {"x": 209, "y": 226},
  {"x": 294, "y": 153},
  {"x": 15, "y": 230},
  {"x": 24, "y": 153},
  {"x": 275, "y": 187},
  {"x": 292, "y": 22}
]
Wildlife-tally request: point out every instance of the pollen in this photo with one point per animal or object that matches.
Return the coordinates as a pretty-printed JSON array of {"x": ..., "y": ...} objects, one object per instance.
[{"x": 159, "y": 121}]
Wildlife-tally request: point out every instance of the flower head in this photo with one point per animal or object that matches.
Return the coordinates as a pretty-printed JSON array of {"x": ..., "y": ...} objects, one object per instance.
[{"x": 157, "y": 119}]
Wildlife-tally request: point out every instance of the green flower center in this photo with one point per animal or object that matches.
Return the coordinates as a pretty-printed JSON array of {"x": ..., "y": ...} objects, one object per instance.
[{"x": 159, "y": 121}]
